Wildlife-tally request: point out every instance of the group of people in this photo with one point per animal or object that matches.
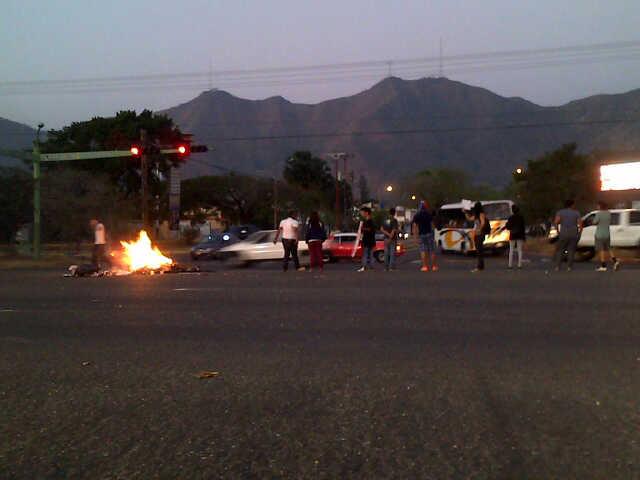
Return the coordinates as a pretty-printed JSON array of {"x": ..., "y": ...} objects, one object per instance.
[{"x": 568, "y": 222}]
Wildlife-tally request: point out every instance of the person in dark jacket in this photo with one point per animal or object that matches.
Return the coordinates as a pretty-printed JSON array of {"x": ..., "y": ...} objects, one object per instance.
[
  {"x": 516, "y": 227},
  {"x": 316, "y": 234},
  {"x": 480, "y": 224}
]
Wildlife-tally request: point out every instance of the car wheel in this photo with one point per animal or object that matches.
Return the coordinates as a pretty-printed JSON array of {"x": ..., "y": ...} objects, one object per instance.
[{"x": 379, "y": 256}]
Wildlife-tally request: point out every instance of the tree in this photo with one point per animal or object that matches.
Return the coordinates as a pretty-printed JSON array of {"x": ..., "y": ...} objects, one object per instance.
[
  {"x": 311, "y": 177},
  {"x": 117, "y": 133},
  {"x": 16, "y": 194},
  {"x": 241, "y": 198},
  {"x": 442, "y": 185},
  {"x": 308, "y": 172},
  {"x": 70, "y": 198},
  {"x": 553, "y": 178}
]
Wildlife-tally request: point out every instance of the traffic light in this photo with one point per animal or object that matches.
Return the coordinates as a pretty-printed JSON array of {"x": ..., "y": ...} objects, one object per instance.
[
  {"x": 199, "y": 148},
  {"x": 136, "y": 151},
  {"x": 183, "y": 150}
]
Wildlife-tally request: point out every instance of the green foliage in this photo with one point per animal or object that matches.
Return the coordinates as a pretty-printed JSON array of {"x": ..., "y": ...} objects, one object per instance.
[
  {"x": 313, "y": 186},
  {"x": 241, "y": 198},
  {"x": 442, "y": 185},
  {"x": 16, "y": 195},
  {"x": 308, "y": 172},
  {"x": 70, "y": 198},
  {"x": 553, "y": 178},
  {"x": 116, "y": 133}
]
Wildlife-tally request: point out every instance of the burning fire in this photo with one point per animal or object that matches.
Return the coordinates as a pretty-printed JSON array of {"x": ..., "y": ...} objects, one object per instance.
[{"x": 141, "y": 254}]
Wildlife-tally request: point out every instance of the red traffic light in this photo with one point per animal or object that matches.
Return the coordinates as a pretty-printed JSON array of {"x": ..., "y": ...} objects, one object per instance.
[
  {"x": 136, "y": 151},
  {"x": 182, "y": 149}
]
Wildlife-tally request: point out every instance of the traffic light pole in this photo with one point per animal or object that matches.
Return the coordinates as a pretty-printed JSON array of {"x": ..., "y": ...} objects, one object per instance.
[{"x": 36, "y": 157}]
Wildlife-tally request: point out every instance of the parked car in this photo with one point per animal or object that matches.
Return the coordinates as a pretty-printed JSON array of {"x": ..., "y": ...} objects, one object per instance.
[
  {"x": 340, "y": 246},
  {"x": 258, "y": 247},
  {"x": 208, "y": 249},
  {"x": 625, "y": 232},
  {"x": 242, "y": 231}
]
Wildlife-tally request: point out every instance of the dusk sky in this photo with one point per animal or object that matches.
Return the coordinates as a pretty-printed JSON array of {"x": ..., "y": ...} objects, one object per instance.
[{"x": 65, "y": 40}]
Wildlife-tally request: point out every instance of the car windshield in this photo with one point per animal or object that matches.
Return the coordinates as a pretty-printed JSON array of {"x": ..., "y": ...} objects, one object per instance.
[{"x": 451, "y": 217}]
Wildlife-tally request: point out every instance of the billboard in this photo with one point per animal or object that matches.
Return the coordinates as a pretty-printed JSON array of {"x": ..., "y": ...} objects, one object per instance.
[{"x": 620, "y": 176}]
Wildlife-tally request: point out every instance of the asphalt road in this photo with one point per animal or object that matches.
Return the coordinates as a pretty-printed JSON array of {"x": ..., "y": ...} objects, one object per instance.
[{"x": 502, "y": 374}]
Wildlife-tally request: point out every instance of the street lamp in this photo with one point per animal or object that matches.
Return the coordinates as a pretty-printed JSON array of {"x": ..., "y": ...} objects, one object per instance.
[
  {"x": 413, "y": 197},
  {"x": 389, "y": 188},
  {"x": 519, "y": 171}
]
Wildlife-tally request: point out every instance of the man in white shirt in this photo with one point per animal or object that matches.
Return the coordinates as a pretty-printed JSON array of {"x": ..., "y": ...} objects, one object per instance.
[
  {"x": 288, "y": 230},
  {"x": 99, "y": 254}
]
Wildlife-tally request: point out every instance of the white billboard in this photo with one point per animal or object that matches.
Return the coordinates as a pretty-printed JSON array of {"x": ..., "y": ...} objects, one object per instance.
[{"x": 620, "y": 176}]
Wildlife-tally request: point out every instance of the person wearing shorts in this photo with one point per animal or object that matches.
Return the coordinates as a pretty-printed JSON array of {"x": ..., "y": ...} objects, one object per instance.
[
  {"x": 422, "y": 226},
  {"x": 602, "y": 240}
]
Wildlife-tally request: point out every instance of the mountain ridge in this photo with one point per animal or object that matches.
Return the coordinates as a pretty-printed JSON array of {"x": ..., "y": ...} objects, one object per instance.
[{"x": 448, "y": 124}]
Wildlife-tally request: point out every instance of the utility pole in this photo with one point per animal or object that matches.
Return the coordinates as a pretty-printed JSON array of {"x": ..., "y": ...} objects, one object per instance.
[
  {"x": 36, "y": 193},
  {"x": 144, "y": 173},
  {"x": 338, "y": 210}
]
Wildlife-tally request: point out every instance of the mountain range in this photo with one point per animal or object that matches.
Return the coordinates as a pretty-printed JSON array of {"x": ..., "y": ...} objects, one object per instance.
[
  {"x": 393, "y": 129},
  {"x": 399, "y": 127}
]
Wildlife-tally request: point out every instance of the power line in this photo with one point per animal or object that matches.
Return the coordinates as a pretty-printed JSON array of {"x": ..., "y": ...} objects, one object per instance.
[
  {"x": 362, "y": 133},
  {"x": 514, "y": 59}
]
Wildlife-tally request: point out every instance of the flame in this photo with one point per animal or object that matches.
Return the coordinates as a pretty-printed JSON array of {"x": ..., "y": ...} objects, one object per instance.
[{"x": 141, "y": 254}]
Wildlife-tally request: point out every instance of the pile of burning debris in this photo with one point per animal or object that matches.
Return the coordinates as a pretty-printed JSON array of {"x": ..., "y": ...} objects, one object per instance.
[{"x": 139, "y": 257}]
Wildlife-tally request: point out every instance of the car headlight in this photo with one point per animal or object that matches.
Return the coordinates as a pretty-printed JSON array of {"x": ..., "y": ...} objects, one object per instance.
[{"x": 226, "y": 237}]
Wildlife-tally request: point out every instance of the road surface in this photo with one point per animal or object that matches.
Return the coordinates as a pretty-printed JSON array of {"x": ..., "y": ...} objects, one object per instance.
[{"x": 503, "y": 374}]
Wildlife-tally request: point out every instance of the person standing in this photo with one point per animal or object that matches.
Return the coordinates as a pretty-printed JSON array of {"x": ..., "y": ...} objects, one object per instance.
[
  {"x": 602, "y": 220},
  {"x": 390, "y": 230},
  {"x": 422, "y": 226},
  {"x": 288, "y": 230},
  {"x": 368, "y": 239},
  {"x": 481, "y": 227},
  {"x": 316, "y": 234},
  {"x": 99, "y": 252},
  {"x": 569, "y": 225},
  {"x": 516, "y": 227}
]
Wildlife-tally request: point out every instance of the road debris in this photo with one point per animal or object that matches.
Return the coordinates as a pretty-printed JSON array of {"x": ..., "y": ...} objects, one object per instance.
[{"x": 206, "y": 374}]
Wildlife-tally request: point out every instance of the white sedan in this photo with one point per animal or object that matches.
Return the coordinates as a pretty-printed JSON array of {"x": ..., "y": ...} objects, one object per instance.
[{"x": 258, "y": 247}]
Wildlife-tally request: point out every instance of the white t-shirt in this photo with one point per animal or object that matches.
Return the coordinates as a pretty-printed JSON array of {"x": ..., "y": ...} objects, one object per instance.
[
  {"x": 289, "y": 228},
  {"x": 99, "y": 235}
]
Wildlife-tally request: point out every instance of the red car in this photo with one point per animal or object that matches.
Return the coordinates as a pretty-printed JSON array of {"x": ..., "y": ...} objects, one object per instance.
[{"x": 340, "y": 246}]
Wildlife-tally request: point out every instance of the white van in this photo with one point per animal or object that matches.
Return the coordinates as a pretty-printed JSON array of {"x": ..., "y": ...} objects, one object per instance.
[
  {"x": 454, "y": 233},
  {"x": 625, "y": 232}
]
